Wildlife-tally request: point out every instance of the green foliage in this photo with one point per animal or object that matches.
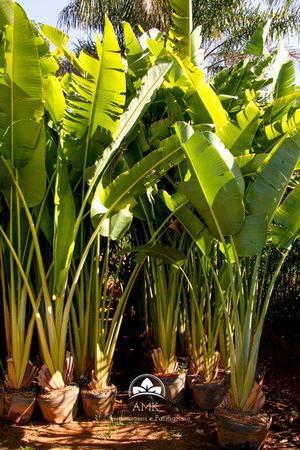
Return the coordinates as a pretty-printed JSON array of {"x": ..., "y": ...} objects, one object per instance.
[
  {"x": 200, "y": 173},
  {"x": 180, "y": 33},
  {"x": 21, "y": 126}
]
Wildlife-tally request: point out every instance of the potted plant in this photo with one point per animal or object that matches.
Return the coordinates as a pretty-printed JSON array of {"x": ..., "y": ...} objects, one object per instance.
[
  {"x": 18, "y": 393},
  {"x": 245, "y": 398},
  {"x": 22, "y": 152},
  {"x": 268, "y": 215},
  {"x": 164, "y": 292},
  {"x": 107, "y": 301},
  {"x": 52, "y": 292},
  {"x": 204, "y": 313}
]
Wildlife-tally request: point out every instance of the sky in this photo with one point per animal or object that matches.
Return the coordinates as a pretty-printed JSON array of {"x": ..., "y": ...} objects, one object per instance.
[
  {"x": 46, "y": 11},
  {"x": 43, "y": 11}
]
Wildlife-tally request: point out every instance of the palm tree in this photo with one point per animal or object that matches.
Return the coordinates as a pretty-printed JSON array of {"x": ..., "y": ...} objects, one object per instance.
[{"x": 226, "y": 24}]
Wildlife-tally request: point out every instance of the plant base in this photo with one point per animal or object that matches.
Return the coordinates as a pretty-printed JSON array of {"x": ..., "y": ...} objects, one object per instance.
[
  {"x": 60, "y": 405},
  {"x": 208, "y": 395},
  {"x": 175, "y": 386},
  {"x": 17, "y": 406},
  {"x": 99, "y": 404},
  {"x": 240, "y": 430}
]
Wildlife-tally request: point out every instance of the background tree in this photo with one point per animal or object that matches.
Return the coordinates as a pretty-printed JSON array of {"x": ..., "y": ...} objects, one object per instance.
[{"x": 226, "y": 24}]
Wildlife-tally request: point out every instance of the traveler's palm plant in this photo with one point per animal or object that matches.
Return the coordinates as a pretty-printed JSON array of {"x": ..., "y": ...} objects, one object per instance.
[
  {"x": 235, "y": 187},
  {"x": 22, "y": 148},
  {"x": 164, "y": 291},
  {"x": 204, "y": 313},
  {"x": 96, "y": 313},
  {"x": 85, "y": 128}
]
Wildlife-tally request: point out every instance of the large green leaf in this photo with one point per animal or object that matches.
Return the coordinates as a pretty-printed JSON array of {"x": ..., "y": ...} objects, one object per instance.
[
  {"x": 169, "y": 254},
  {"x": 180, "y": 38},
  {"x": 216, "y": 188},
  {"x": 286, "y": 225},
  {"x": 248, "y": 76},
  {"x": 266, "y": 191},
  {"x": 57, "y": 37},
  {"x": 32, "y": 177},
  {"x": 96, "y": 101},
  {"x": 54, "y": 98},
  {"x": 289, "y": 123},
  {"x": 202, "y": 100},
  {"x": 285, "y": 82},
  {"x": 197, "y": 55},
  {"x": 264, "y": 195},
  {"x": 6, "y": 15},
  {"x": 256, "y": 44},
  {"x": 252, "y": 237},
  {"x": 129, "y": 120},
  {"x": 238, "y": 137},
  {"x": 249, "y": 163},
  {"x": 137, "y": 58},
  {"x": 178, "y": 204},
  {"x": 22, "y": 135},
  {"x": 119, "y": 196},
  {"x": 21, "y": 107}
]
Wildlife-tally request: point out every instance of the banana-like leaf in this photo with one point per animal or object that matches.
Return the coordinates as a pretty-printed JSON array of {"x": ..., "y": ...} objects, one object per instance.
[
  {"x": 286, "y": 227},
  {"x": 6, "y": 16},
  {"x": 249, "y": 163},
  {"x": 216, "y": 188},
  {"x": 264, "y": 195},
  {"x": 97, "y": 100},
  {"x": 266, "y": 191},
  {"x": 21, "y": 106},
  {"x": 54, "y": 98},
  {"x": 57, "y": 37},
  {"x": 137, "y": 58},
  {"x": 285, "y": 89},
  {"x": 238, "y": 137},
  {"x": 246, "y": 76},
  {"x": 256, "y": 44},
  {"x": 285, "y": 82},
  {"x": 129, "y": 120},
  {"x": 252, "y": 237},
  {"x": 178, "y": 204},
  {"x": 21, "y": 128},
  {"x": 279, "y": 104},
  {"x": 202, "y": 100},
  {"x": 32, "y": 177},
  {"x": 119, "y": 196},
  {"x": 290, "y": 123},
  {"x": 169, "y": 254},
  {"x": 180, "y": 38}
]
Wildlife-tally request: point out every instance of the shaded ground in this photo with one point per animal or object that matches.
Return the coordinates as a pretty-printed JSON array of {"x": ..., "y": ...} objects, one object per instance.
[{"x": 184, "y": 428}]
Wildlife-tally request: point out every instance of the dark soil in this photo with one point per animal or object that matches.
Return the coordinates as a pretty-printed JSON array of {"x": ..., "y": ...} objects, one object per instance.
[{"x": 181, "y": 428}]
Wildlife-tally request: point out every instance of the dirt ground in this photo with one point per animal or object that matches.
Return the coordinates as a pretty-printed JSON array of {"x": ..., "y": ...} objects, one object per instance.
[{"x": 183, "y": 428}]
